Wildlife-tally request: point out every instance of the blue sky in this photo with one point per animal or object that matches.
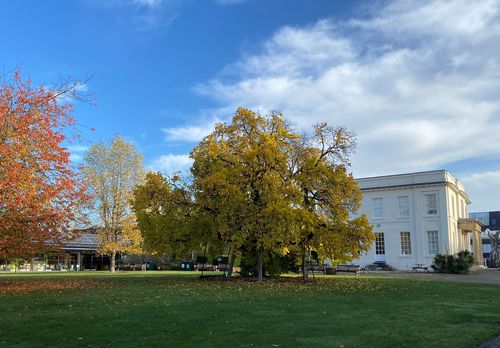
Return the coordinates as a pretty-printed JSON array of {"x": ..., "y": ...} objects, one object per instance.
[{"x": 418, "y": 81}]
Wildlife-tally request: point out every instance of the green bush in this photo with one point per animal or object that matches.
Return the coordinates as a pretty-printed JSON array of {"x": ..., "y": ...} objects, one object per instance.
[
  {"x": 201, "y": 259},
  {"x": 273, "y": 264},
  {"x": 459, "y": 263}
]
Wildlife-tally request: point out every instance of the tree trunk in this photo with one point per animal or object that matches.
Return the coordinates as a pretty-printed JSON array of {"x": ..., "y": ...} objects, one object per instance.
[
  {"x": 113, "y": 261},
  {"x": 204, "y": 256},
  {"x": 304, "y": 267},
  {"x": 260, "y": 265},
  {"x": 231, "y": 265}
]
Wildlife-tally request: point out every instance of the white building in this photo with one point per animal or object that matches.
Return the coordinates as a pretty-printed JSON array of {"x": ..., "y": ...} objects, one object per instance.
[{"x": 416, "y": 216}]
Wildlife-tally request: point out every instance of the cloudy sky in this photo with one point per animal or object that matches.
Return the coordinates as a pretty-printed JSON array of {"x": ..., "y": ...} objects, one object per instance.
[{"x": 418, "y": 81}]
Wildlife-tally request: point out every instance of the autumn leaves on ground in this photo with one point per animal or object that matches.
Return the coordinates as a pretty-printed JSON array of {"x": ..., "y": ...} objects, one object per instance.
[{"x": 158, "y": 309}]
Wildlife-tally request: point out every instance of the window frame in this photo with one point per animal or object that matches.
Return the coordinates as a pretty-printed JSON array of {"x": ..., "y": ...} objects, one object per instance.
[
  {"x": 435, "y": 242},
  {"x": 427, "y": 209},
  {"x": 453, "y": 212},
  {"x": 407, "y": 206},
  {"x": 379, "y": 243},
  {"x": 405, "y": 243},
  {"x": 375, "y": 209}
]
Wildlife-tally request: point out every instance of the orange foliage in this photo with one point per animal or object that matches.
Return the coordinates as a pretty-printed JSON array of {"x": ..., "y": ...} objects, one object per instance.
[{"x": 39, "y": 189}]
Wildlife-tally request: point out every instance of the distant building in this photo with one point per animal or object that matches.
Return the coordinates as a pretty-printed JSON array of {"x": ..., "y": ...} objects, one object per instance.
[
  {"x": 76, "y": 253},
  {"x": 490, "y": 221},
  {"x": 416, "y": 216}
]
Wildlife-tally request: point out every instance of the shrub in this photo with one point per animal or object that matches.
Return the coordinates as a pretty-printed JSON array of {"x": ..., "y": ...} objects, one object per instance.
[
  {"x": 201, "y": 259},
  {"x": 273, "y": 264},
  {"x": 459, "y": 263}
]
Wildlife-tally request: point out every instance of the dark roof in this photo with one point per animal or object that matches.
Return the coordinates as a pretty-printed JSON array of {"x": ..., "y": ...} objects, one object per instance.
[{"x": 85, "y": 241}]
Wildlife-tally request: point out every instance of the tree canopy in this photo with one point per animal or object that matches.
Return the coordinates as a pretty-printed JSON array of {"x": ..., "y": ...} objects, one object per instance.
[
  {"x": 112, "y": 171},
  {"x": 163, "y": 212},
  {"x": 261, "y": 188},
  {"x": 39, "y": 188}
]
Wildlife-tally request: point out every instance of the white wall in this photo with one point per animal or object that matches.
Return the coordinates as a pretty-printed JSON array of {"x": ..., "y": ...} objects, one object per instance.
[{"x": 418, "y": 222}]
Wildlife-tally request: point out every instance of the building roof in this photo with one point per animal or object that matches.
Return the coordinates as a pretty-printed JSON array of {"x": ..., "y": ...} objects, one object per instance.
[
  {"x": 84, "y": 241},
  {"x": 410, "y": 180}
]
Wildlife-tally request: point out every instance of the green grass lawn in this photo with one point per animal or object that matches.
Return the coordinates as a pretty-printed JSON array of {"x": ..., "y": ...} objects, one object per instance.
[{"x": 161, "y": 309}]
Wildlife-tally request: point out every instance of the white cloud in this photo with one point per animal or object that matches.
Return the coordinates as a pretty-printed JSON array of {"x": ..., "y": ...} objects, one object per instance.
[
  {"x": 418, "y": 81},
  {"x": 229, "y": 2},
  {"x": 74, "y": 91},
  {"x": 77, "y": 148},
  {"x": 149, "y": 3},
  {"x": 188, "y": 133},
  {"x": 76, "y": 152},
  {"x": 75, "y": 157},
  {"x": 171, "y": 163},
  {"x": 482, "y": 188},
  {"x": 196, "y": 130},
  {"x": 141, "y": 15}
]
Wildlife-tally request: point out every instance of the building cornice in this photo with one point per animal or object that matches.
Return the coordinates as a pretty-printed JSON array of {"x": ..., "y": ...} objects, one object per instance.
[
  {"x": 404, "y": 186},
  {"x": 416, "y": 185}
]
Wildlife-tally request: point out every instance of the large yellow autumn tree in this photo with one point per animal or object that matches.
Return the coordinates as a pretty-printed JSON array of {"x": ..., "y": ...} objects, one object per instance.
[
  {"x": 271, "y": 190},
  {"x": 240, "y": 176}
]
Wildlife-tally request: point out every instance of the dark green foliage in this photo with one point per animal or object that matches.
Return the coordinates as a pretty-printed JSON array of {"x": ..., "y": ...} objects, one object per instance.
[
  {"x": 163, "y": 208},
  {"x": 201, "y": 259},
  {"x": 220, "y": 260},
  {"x": 274, "y": 264},
  {"x": 459, "y": 263}
]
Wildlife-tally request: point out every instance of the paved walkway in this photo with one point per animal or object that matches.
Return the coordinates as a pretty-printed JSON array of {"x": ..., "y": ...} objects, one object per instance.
[
  {"x": 478, "y": 275},
  {"x": 495, "y": 343}
]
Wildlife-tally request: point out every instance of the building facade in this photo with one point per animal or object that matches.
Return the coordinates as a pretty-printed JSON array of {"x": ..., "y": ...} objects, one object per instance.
[
  {"x": 490, "y": 236},
  {"x": 416, "y": 216},
  {"x": 78, "y": 253}
]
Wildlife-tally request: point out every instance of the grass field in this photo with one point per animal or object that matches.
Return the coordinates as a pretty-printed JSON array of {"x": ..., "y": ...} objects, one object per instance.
[{"x": 177, "y": 310}]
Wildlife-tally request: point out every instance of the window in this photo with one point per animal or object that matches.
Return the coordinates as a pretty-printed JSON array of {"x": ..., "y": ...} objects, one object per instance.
[
  {"x": 405, "y": 243},
  {"x": 378, "y": 208},
  {"x": 431, "y": 204},
  {"x": 462, "y": 208},
  {"x": 486, "y": 248},
  {"x": 379, "y": 244},
  {"x": 453, "y": 211},
  {"x": 404, "y": 206},
  {"x": 433, "y": 242}
]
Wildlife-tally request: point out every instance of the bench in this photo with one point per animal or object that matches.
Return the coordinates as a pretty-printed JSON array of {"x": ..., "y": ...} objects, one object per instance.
[
  {"x": 420, "y": 266},
  {"x": 132, "y": 267},
  {"x": 348, "y": 268}
]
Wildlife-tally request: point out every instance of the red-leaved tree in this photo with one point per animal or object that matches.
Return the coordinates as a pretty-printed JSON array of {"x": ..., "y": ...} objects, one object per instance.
[{"x": 39, "y": 188}]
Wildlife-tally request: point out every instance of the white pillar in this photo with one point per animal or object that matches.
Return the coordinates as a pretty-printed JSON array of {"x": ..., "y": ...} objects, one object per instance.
[
  {"x": 478, "y": 247},
  {"x": 78, "y": 261}
]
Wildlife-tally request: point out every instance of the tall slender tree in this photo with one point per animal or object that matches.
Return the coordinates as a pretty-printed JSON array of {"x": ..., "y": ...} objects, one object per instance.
[{"x": 112, "y": 171}]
